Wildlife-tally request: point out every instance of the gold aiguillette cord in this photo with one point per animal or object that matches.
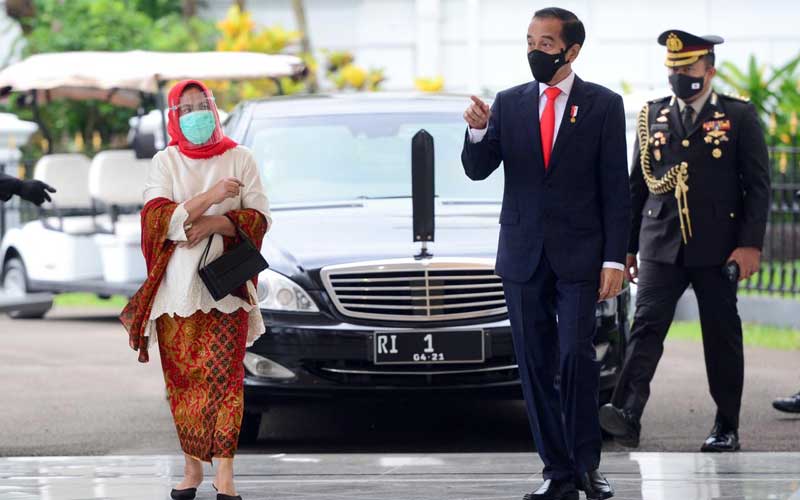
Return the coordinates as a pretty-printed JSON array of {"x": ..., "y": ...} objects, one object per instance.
[
  {"x": 675, "y": 179},
  {"x": 681, "y": 188}
]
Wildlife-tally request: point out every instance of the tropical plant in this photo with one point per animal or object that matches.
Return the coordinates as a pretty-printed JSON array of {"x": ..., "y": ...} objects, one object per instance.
[
  {"x": 775, "y": 92},
  {"x": 345, "y": 74},
  {"x": 116, "y": 25},
  {"x": 429, "y": 84},
  {"x": 238, "y": 32}
]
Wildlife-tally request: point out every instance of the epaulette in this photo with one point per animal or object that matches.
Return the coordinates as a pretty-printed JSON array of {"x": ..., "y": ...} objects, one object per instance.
[
  {"x": 660, "y": 99},
  {"x": 735, "y": 97}
]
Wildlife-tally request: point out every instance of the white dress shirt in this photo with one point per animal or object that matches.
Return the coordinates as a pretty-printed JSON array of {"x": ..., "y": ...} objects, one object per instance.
[{"x": 477, "y": 135}]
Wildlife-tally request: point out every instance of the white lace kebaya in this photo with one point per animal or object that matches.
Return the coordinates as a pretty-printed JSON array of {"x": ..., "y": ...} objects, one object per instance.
[{"x": 179, "y": 178}]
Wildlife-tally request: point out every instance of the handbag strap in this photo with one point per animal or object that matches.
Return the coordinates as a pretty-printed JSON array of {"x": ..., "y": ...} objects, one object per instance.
[
  {"x": 203, "y": 257},
  {"x": 242, "y": 235}
]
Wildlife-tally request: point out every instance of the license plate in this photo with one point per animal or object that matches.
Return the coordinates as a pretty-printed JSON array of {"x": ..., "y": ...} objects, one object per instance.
[{"x": 413, "y": 347}]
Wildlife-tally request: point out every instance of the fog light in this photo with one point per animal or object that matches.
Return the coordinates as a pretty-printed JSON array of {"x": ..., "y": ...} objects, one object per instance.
[{"x": 263, "y": 367}]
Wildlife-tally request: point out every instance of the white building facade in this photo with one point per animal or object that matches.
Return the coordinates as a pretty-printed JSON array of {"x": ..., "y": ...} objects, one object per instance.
[{"x": 479, "y": 45}]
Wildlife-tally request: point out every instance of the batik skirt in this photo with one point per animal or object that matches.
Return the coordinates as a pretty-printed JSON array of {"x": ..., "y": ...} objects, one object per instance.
[{"x": 203, "y": 361}]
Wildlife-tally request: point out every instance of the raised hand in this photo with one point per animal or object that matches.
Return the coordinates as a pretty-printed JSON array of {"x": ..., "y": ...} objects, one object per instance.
[
  {"x": 477, "y": 114},
  {"x": 228, "y": 187},
  {"x": 35, "y": 191}
]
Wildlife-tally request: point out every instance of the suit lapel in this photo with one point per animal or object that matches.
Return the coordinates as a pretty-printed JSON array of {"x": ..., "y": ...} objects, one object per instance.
[
  {"x": 577, "y": 97},
  {"x": 529, "y": 106}
]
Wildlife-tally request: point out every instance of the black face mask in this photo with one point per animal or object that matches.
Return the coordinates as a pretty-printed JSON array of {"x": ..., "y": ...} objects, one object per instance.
[
  {"x": 544, "y": 66},
  {"x": 685, "y": 86}
]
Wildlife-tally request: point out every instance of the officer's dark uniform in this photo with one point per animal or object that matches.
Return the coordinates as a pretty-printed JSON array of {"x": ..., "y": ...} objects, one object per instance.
[
  {"x": 696, "y": 194},
  {"x": 9, "y": 186}
]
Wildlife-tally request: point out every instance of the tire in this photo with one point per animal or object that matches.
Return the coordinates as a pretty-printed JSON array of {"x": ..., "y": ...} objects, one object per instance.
[
  {"x": 251, "y": 423},
  {"x": 15, "y": 282}
]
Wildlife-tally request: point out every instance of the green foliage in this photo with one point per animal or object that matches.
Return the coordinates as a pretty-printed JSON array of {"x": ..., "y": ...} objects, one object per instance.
[
  {"x": 754, "y": 335},
  {"x": 107, "y": 25},
  {"x": 172, "y": 33},
  {"x": 156, "y": 9},
  {"x": 775, "y": 92}
]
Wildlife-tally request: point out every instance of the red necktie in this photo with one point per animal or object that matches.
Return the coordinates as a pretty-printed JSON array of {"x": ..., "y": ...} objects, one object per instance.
[{"x": 548, "y": 123}]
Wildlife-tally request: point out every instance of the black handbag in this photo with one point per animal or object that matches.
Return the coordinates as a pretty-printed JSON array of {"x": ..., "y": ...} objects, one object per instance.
[{"x": 231, "y": 269}]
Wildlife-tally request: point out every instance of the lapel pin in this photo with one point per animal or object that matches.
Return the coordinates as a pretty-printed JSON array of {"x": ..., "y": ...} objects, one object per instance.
[{"x": 573, "y": 114}]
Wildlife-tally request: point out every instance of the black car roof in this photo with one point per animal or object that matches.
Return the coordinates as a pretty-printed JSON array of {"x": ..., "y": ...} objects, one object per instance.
[{"x": 362, "y": 102}]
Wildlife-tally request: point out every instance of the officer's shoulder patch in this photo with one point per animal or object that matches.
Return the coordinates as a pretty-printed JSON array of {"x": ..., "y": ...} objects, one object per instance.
[
  {"x": 735, "y": 97},
  {"x": 659, "y": 100}
]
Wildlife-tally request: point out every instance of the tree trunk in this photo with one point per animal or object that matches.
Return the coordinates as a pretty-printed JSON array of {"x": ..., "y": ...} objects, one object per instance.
[
  {"x": 189, "y": 8},
  {"x": 305, "y": 40},
  {"x": 21, "y": 11}
]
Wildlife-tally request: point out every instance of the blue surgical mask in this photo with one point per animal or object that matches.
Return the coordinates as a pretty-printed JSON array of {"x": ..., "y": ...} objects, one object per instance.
[{"x": 198, "y": 126}]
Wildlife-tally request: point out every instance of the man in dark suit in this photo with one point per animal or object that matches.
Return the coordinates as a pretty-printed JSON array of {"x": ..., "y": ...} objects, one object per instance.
[
  {"x": 34, "y": 191},
  {"x": 563, "y": 235},
  {"x": 700, "y": 198}
]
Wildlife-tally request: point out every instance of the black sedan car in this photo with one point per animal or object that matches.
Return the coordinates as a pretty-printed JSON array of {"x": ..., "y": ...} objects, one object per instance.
[{"x": 351, "y": 309}]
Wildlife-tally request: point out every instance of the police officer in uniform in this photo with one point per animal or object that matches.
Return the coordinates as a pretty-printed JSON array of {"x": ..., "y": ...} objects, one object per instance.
[{"x": 700, "y": 199}]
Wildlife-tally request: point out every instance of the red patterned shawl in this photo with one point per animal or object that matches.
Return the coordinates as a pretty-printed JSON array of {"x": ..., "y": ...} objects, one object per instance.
[{"x": 157, "y": 250}]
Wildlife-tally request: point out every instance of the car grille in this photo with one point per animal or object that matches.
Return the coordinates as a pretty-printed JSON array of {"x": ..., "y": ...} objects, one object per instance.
[
  {"x": 416, "y": 290},
  {"x": 364, "y": 373}
]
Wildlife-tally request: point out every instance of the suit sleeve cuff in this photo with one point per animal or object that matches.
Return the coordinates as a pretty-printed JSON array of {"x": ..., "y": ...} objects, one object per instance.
[
  {"x": 476, "y": 135},
  {"x": 614, "y": 265}
]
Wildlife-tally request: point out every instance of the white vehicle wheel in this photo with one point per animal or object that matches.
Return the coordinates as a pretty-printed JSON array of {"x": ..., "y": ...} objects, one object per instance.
[{"x": 15, "y": 283}]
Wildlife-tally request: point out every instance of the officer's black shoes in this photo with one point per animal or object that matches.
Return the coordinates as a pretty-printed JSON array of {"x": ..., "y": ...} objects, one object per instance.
[
  {"x": 621, "y": 424},
  {"x": 554, "y": 489},
  {"x": 789, "y": 405},
  {"x": 594, "y": 485},
  {"x": 721, "y": 440},
  {"x": 185, "y": 494}
]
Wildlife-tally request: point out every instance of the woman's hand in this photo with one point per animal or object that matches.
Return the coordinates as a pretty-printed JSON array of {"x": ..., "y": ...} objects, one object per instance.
[
  {"x": 205, "y": 226},
  {"x": 228, "y": 187}
]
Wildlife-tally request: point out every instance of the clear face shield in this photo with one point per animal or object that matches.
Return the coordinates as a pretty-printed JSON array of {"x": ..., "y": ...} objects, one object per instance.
[{"x": 197, "y": 117}]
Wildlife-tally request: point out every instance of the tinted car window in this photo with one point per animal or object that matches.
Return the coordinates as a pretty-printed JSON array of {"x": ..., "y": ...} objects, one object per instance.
[{"x": 351, "y": 156}]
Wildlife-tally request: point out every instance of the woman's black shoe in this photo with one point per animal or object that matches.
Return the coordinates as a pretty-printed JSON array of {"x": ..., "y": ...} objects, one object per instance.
[
  {"x": 222, "y": 496},
  {"x": 187, "y": 494}
]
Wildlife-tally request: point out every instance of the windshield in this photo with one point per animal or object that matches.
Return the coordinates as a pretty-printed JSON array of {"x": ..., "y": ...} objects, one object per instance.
[{"x": 353, "y": 156}]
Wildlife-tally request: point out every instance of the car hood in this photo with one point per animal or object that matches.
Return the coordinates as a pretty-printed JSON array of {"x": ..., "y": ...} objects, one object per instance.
[{"x": 308, "y": 237}]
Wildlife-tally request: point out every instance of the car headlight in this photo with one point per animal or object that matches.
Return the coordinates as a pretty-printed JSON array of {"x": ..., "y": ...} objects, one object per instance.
[{"x": 276, "y": 292}]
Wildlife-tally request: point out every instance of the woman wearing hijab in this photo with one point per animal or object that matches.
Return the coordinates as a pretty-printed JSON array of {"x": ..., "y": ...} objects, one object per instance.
[{"x": 203, "y": 184}]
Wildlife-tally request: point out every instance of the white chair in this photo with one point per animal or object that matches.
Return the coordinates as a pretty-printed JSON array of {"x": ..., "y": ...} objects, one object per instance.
[
  {"x": 116, "y": 182},
  {"x": 69, "y": 175}
]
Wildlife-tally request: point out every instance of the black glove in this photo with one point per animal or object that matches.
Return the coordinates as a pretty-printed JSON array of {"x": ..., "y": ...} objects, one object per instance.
[{"x": 35, "y": 191}]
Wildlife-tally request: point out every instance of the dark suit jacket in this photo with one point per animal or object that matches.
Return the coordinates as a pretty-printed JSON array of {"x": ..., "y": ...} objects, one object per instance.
[
  {"x": 578, "y": 211},
  {"x": 8, "y": 186},
  {"x": 728, "y": 195}
]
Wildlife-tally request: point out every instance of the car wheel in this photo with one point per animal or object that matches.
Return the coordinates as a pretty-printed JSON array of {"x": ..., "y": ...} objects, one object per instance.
[
  {"x": 15, "y": 283},
  {"x": 251, "y": 423}
]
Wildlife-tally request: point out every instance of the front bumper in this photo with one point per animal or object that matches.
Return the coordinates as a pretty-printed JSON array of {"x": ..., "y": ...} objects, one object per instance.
[{"x": 335, "y": 359}]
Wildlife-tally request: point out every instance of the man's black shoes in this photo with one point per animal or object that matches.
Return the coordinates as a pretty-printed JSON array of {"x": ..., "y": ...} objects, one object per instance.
[
  {"x": 721, "y": 440},
  {"x": 789, "y": 405},
  {"x": 554, "y": 489},
  {"x": 621, "y": 424},
  {"x": 594, "y": 485}
]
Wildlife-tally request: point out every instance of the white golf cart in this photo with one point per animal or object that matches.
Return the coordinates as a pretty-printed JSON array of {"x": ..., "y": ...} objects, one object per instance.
[{"x": 88, "y": 238}]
